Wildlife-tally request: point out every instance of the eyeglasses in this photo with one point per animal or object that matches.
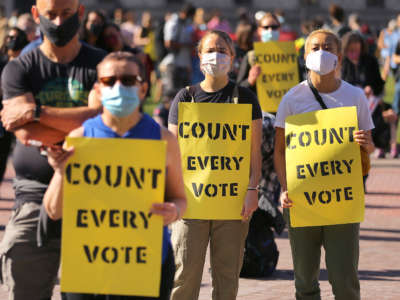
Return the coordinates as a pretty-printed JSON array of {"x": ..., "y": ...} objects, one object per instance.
[
  {"x": 127, "y": 80},
  {"x": 273, "y": 27}
]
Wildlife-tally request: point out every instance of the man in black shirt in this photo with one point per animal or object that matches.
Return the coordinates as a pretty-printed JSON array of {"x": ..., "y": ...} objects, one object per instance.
[{"x": 46, "y": 94}]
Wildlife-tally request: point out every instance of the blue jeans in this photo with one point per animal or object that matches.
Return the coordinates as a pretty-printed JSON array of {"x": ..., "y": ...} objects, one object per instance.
[{"x": 396, "y": 99}]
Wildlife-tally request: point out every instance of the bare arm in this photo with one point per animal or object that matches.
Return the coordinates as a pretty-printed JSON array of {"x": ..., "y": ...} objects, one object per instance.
[
  {"x": 380, "y": 42},
  {"x": 38, "y": 132},
  {"x": 140, "y": 41},
  {"x": 364, "y": 139},
  {"x": 173, "y": 129},
  {"x": 280, "y": 166},
  {"x": 386, "y": 68},
  {"x": 251, "y": 200},
  {"x": 53, "y": 198},
  {"x": 279, "y": 157},
  {"x": 94, "y": 100},
  {"x": 255, "y": 163},
  {"x": 66, "y": 119},
  {"x": 175, "y": 205},
  {"x": 19, "y": 111},
  {"x": 254, "y": 73},
  {"x": 396, "y": 58}
]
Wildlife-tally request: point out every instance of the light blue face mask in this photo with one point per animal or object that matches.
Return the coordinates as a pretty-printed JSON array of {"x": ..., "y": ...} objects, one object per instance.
[
  {"x": 269, "y": 35},
  {"x": 120, "y": 100}
]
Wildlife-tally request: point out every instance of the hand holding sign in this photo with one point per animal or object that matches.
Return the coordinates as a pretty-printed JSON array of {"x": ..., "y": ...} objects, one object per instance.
[
  {"x": 57, "y": 157},
  {"x": 254, "y": 72},
  {"x": 250, "y": 204},
  {"x": 364, "y": 139},
  {"x": 169, "y": 211},
  {"x": 285, "y": 200}
]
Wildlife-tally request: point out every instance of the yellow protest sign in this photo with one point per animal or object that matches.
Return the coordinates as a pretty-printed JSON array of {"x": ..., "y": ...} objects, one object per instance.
[
  {"x": 323, "y": 168},
  {"x": 215, "y": 141},
  {"x": 110, "y": 242},
  {"x": 279, "y": 72}
]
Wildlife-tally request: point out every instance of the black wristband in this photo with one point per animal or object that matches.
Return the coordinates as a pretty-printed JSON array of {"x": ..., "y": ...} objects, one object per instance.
[{"x": 38, "y": 111}]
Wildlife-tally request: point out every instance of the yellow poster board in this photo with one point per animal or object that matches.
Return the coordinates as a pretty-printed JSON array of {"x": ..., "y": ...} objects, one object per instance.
[
  {"x": 110, "y": 242},
  {"x": 323, "y": 168},
  {"x": 215, "y": 142},
  {"x": 279, "y": 72}
]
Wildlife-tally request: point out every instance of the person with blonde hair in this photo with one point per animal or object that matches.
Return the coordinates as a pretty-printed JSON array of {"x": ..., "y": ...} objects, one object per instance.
[{"x": 341, "y": 242}]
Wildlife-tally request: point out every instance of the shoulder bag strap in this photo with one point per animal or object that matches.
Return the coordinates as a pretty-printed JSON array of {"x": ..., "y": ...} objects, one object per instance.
[
  {"x": 190, "y": 90},
  {"x": 235, "y": 95},
  {"x": 316, "y": 94}
]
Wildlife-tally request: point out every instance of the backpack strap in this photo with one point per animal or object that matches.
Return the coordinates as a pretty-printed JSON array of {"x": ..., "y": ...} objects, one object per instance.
[
  {"x": 235, "y": 95},
  {"x": 190, "y": 90},
  {"x": 316, "y": 94}
]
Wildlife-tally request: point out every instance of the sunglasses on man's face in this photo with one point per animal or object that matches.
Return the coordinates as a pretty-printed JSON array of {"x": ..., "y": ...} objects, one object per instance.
[
  {"x": 273, "y": 27},
  {"x": 127, "y": 80}
]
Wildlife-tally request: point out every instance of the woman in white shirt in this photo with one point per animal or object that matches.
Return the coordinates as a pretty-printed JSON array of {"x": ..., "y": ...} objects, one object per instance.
[{"x": 341, "y": 242}]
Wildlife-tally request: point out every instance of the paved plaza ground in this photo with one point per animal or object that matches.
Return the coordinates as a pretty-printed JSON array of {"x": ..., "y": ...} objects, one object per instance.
[{"x": 379, "y": 267}]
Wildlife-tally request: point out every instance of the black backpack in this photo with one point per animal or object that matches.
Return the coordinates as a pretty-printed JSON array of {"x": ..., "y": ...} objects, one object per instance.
[
  {"x": 261, "y": 253},
  {"x": 381, "y": 132}
]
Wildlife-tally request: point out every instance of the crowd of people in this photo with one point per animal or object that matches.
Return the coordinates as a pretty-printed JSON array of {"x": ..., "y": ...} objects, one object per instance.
[{"x": 71, "y": 72}]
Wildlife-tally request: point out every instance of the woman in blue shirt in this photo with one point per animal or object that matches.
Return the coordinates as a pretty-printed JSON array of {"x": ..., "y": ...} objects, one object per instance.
[{"x": 121, "y": 88}]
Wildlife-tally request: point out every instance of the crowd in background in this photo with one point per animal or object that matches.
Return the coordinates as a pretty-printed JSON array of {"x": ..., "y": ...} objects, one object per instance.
[{"x": 167, "y": 48}]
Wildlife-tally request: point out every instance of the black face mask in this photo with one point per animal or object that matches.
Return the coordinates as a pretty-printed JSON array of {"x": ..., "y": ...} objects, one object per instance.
[
  {"x": 95, "y": 29},
  {"x": 60, "y": 35},
  {"x": 17, "y": 43}
]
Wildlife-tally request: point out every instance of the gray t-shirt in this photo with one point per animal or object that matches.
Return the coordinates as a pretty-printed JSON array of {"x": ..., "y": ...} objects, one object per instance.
[{"x": 52, "y": 84}]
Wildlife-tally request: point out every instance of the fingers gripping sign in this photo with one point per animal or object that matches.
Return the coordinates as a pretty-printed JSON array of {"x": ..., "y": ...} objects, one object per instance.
[
  {"x": 285, "y": 200},
  {"x": 168, "y": 210},
  {"x": 58, "y": 157},
  {"x": 250, "y": 204}
]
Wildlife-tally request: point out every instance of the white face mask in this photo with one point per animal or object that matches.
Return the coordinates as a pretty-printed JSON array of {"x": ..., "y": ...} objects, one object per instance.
[
  {"x": 215, "y": 63},
  {"x": 321, "y": 62}
]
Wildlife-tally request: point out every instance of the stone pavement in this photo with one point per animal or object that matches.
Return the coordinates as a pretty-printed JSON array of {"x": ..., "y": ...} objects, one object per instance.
[{"x": 379, "y": 267}]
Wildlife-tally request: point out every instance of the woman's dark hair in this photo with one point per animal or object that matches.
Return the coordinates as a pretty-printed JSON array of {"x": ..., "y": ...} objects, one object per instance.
[
  {"x": 336, "y": 12},
  {"x": 271, "y": 15},
  {"x": 221, "y": 34},
  {"x": 245, "y": 36},
  {"x": 21, "y": 36},
  {"x": 353, "y": 37},
  {"x": 101, "y": 41},
  {"x": 85, "y": 32}
]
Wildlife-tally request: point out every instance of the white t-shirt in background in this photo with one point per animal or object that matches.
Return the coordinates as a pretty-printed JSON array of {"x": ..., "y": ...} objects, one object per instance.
[{"x": 300, "y": 99}]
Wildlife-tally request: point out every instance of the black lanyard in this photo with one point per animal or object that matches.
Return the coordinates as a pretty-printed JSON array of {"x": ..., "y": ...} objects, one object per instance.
[{"x": 316, "y": 94}]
